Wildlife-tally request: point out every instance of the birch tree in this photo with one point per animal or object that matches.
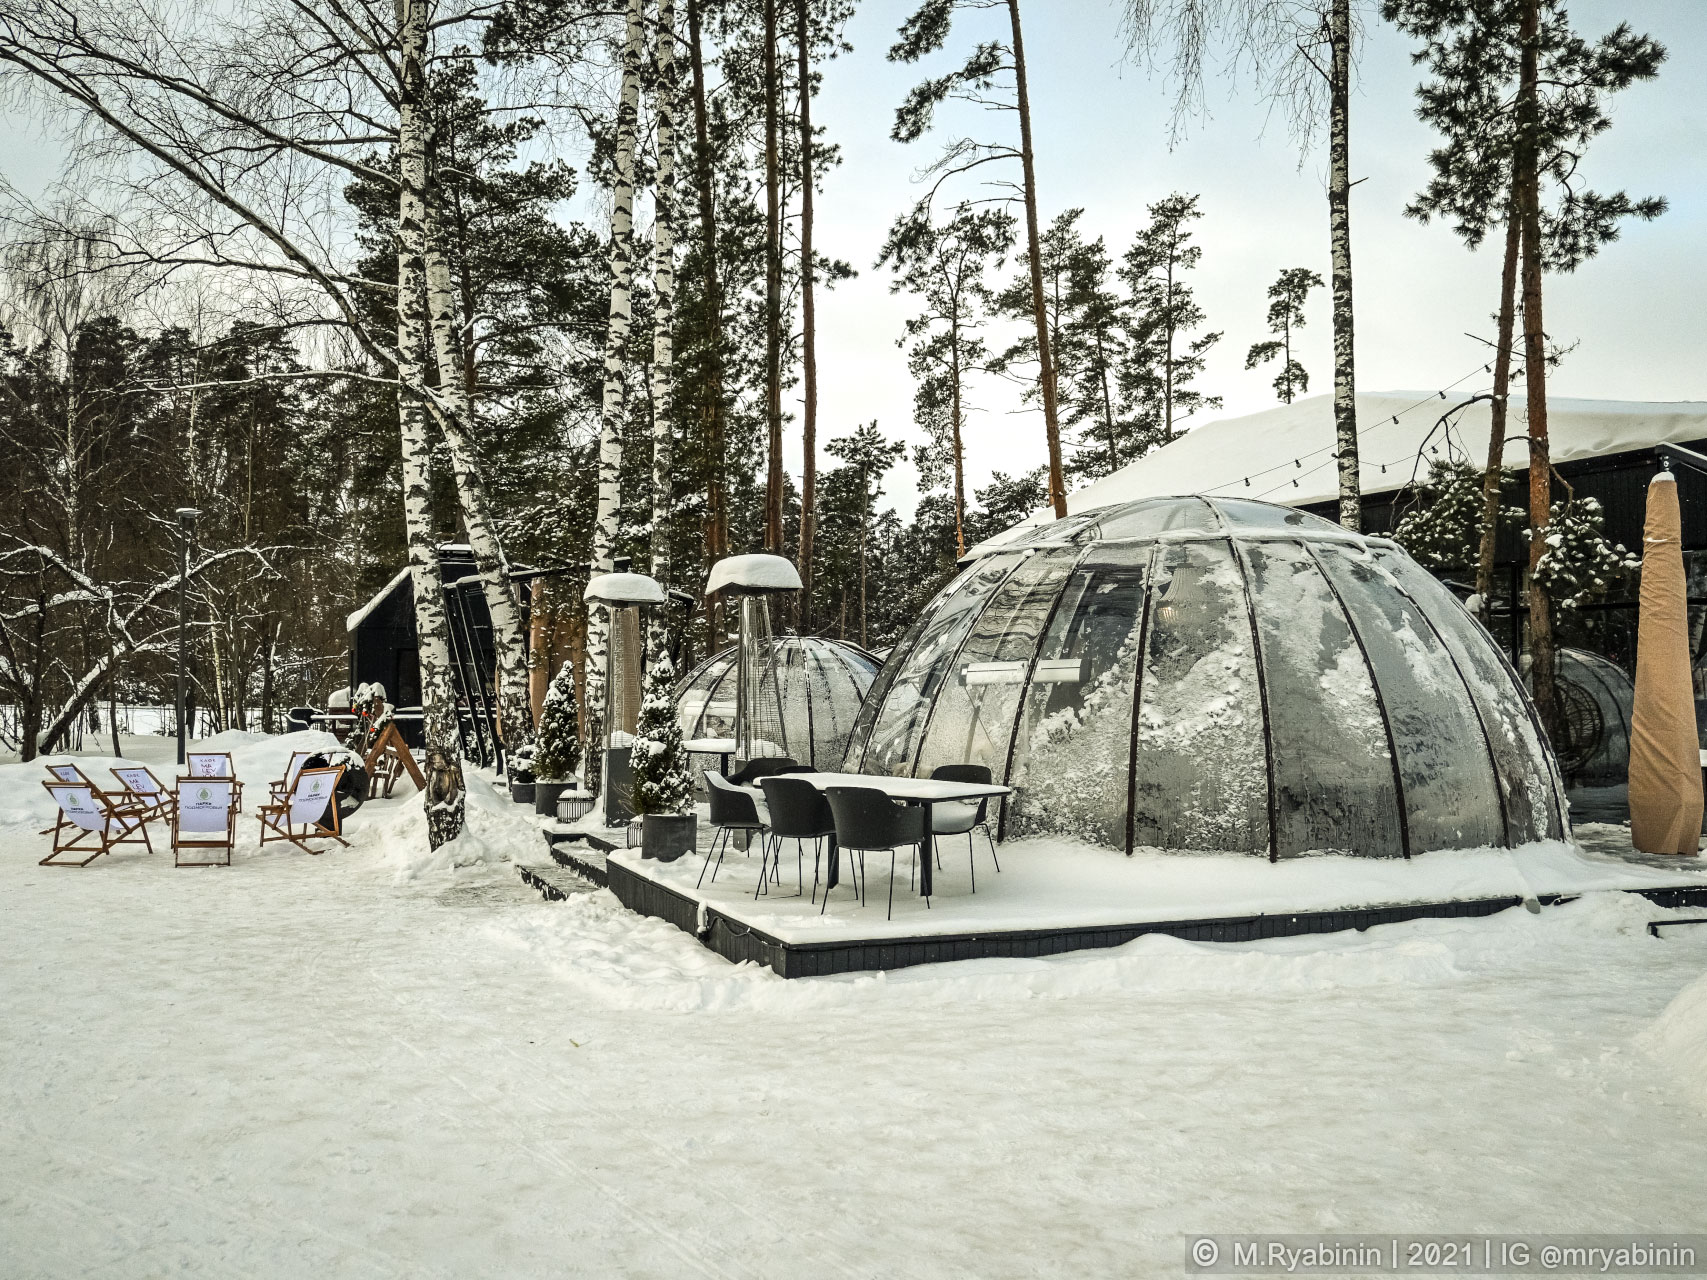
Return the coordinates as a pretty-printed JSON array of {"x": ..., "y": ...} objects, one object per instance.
[
  {"x": 614, "y": 407},
  {"x": 663, "y": 305},
  {"x": 1301, "y": 53}
]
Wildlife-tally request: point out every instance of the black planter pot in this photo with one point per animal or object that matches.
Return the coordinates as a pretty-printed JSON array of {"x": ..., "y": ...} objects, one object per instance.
[
  {"x": 545, "y": 796},
  {"x": 667, "y": 836},
  {"x": 521, "y": 792}
]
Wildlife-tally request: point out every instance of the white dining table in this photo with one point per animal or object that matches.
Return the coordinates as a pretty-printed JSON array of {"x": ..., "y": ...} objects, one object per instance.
[
  {"x": 720, "y": 747},
  {"x": 923, "y": 792}
]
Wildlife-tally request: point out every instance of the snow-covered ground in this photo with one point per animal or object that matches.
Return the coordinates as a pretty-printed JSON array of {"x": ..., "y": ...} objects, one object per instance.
[{"x": 372, "y": 1064}]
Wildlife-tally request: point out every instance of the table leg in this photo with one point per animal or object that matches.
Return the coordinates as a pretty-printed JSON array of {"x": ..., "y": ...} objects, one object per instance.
[
  {"x": 832, "y": 876},
  {"x": 927, "y": 858}
]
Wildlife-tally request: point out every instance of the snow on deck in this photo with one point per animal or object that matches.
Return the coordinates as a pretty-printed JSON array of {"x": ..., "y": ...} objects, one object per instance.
[
  {"x": 377, "y": 1064},
  {"x": 1051, "y": 885}
]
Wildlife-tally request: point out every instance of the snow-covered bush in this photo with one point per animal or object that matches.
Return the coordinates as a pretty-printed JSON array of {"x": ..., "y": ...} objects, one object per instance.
[
  {"x": 1444, "y": 530},
  {"x": 661, "y": 782},
  {"x": 1579, "y": 564},
  {"x": 557, "y": 745}
]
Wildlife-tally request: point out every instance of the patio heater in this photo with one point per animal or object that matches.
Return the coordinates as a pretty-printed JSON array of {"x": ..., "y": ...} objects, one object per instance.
[
  {"x": 761, "y": 728},
  {"x": 186, "y": 524},
  {"x": 623, "y": 594}
]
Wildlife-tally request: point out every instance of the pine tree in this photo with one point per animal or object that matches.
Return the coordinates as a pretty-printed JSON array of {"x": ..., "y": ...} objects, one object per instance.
[
  {"x": 661, "y": 782},
  {"x": 1518, "y": 96},
  {"x": 988, "y": 66},
  {"x": 945, "y": 266},
  {"x": 1285, "y": 313},
  {"x": 557, "y": 750},
  {"x": 1163, "y": 359}
]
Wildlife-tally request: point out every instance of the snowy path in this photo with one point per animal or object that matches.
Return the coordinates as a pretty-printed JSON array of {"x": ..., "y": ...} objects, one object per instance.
[{"x": 310, "y": 1067}]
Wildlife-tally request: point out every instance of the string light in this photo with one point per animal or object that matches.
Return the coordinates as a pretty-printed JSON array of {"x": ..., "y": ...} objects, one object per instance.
[{"x": 1333, "y": 453}]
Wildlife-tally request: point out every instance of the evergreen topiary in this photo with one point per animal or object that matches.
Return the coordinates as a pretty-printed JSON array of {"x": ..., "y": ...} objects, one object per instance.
[
  {"x": 557, "y": 749},
  {"x": 661, "y": 782}
]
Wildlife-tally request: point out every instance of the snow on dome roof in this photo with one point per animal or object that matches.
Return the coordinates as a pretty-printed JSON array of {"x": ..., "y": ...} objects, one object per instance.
[
  {"x": 1213, "y": 674},
  {"x": 1295, "y": 443},
  {"x": 623, "y": 588},
  {"x": 753, "y": 573}
]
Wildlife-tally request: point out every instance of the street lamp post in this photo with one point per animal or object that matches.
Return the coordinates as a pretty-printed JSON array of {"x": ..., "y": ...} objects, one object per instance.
[{"x": 186, "y": 523}]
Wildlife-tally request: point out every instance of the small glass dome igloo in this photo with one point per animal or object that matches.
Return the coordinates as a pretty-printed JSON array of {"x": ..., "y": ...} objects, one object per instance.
[
  {"x": 1216, "y": 674},
  {"x": 820, "y": 685}
]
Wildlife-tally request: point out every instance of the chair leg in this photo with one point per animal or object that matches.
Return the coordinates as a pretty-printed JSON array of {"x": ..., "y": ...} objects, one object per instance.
[
  {"x": 862, "y": 877},
  {"x": 927, "y": 900},
  {"x": 722, "y": 835},
  {"x": 991, "y": 840},
  {"x": 969, "y": 865}
]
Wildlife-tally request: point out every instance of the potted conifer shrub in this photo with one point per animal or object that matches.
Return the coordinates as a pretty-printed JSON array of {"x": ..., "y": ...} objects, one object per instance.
[
  {"x": 521, "y": 775},
  {"x": 662, "y": 788},
  {"x": 557, "y": 745}
]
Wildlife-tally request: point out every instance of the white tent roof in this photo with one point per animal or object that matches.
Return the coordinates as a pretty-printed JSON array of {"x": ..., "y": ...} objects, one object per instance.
[{"x": 1286, "y": 454}]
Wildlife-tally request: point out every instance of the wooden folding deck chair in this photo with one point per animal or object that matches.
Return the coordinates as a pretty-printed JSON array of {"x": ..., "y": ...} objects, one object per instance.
[
  {"x": 98, "y": 820},
  {"x": 66, "y": 772},
  {"x": 141, "y": 786},
  {"x": 277, "y": 791},
  {"x": 212, "y": 764},
  {"x": 204, "y": 816},
  {"x": 309, "y": 812}
]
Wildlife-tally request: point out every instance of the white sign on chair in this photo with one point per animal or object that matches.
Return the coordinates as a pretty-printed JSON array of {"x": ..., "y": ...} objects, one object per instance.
[{"x": 205, "y": 806}]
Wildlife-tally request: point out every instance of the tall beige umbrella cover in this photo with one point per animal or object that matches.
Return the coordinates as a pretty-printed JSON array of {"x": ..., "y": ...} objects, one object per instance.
[{"x": 1665, "y": 758}]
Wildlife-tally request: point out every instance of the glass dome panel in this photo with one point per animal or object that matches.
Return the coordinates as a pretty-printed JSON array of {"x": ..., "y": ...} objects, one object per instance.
[
  {"x": 821, "y": 684},
  {"x": 1444, "y": 766},
  {"x": 973, "y": 720},
  {"x": 1199, "y": 768},
  {"x": 1529, "y": 784},
  {"x": 1153, "y": 516},
  {"x": 921, "y": 671},
  {"x": 1075, "y": 735},
  {"x": 1333, "y": 772},
  {"x": 1243, "y": 513}
]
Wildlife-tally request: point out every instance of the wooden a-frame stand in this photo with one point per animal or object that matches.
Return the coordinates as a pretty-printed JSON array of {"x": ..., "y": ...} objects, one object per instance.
[{"x": 388, "y": 760}]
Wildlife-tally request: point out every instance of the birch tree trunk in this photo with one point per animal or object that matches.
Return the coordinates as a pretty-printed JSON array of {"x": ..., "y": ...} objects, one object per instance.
[
  {"x": 1535, "y": 368},
  {"x": 1497, "y": 414},
  {"x": 1045, "y": 357},
  {"x": 621, "y": 260},
  {"x": 444, "y": 795},
  {"x": 808, "y": 322},
  {"x": 456, "y": 420},
  {"x": 1339, "y": 235},
  {"x": 664, "y": 310},
  {"x": 773, "y": 291}
]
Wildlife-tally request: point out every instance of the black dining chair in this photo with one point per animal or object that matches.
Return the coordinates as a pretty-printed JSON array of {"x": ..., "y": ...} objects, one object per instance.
[
  {"x": 798, "y": 812},
  {"x": 962, "y": 817},
  {"x": 867, "y": 819},
  {"x": 732, "y": 809},
  {"x": 762, "y": 767}
]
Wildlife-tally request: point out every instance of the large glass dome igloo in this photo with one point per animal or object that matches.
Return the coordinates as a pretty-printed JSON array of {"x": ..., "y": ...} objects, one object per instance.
[
  {"x": 1217, "y": 674},
  {"x": 819, "y": 687}
]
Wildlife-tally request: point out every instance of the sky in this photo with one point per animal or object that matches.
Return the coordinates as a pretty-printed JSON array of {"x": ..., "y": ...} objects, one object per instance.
[
  {"x": 1100, "y": 127},
  {"x": 1100, "y": 123}
]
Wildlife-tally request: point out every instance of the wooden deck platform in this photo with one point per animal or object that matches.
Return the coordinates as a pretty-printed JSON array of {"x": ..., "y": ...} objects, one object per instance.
[{"x": 736, "y": 941}]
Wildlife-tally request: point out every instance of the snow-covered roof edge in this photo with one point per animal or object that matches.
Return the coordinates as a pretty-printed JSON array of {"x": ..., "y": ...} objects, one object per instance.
[
  {"x": 1286, "y": 454},
  {"x": 356, "y": 619}
]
